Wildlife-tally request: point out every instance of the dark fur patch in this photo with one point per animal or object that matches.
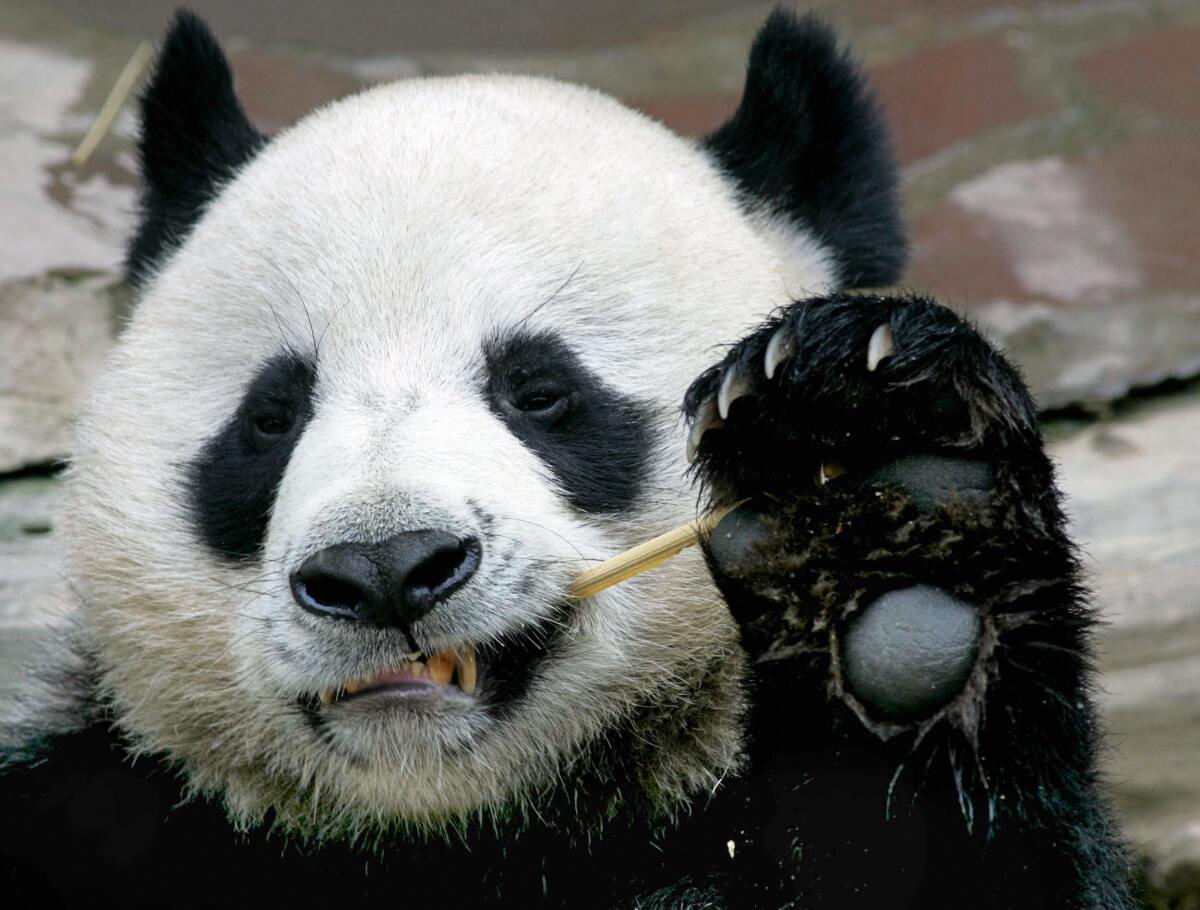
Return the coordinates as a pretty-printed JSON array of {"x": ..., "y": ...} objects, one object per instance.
[
  {"x": 194, "y": 138},
  {"x": 808, "y": 142},
  {"x": 595, "y": 439},
  {"x": 232, "y": 484},
  {"x": 87, "y": 825}
]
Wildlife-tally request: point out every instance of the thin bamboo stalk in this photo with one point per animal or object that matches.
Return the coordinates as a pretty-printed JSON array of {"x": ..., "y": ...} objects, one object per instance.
[
  {"x": 645, "y": 555},
  {"x": 121, "y": 90}
]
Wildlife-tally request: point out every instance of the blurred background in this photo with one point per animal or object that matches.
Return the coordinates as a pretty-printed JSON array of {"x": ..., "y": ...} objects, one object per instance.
[{"x": 1051, "y": 162}]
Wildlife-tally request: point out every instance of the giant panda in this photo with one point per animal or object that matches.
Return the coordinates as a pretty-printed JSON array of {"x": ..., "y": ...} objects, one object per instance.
[{"x": 398, "y": 374}]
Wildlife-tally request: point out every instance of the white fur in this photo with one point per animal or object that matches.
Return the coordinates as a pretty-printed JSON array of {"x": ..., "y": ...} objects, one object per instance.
[{"x": 397, "y": 230}]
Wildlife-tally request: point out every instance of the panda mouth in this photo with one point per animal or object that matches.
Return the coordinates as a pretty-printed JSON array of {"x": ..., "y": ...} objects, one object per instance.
[
  {"x": 455, "y": 669},
  {"x": 495, "y": 674}
]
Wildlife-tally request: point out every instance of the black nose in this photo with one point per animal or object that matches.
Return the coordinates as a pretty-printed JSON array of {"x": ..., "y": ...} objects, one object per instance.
[{"x": 393, "y": 583}]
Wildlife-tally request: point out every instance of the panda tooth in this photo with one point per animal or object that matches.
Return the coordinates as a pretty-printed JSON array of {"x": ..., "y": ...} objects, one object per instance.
[
  {"x": 881, "y": 346},
  {"x": 781, "y": 346},
  {"x": 705, "y": 420},
  {"x": 441, "y": 667},
  {"x": 733, "y": 387},
  {"x": 830, "y": 470},
  {"x": 467, "y": 670}
]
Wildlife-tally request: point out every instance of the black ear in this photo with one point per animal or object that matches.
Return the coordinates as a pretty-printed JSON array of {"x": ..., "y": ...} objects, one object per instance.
[
  {"x": 808, "y": 143},
  {"x": 194, "y": 137}
]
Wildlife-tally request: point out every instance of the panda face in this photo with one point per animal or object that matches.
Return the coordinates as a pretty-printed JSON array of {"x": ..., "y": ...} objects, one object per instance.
[{"x": 414, "y": 366}]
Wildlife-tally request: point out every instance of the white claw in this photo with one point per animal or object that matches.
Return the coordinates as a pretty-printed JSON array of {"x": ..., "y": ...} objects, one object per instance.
[
  {"x": 781, "y": 346},
  {"x": 706, "y": 419},
  {"x": 733, "y": 387},
  {"x": 881, "y": 346}
]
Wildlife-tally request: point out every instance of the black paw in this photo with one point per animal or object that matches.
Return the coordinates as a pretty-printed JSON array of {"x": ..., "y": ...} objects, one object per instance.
[
  {"x": 910, "y": 605},
  {"x": 899, "y": 506}
]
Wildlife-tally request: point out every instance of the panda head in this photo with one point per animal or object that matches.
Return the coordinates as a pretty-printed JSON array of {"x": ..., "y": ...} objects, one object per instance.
[{"x": 395, "y": 377}]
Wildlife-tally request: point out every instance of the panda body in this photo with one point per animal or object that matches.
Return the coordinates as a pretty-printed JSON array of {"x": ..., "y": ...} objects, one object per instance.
[{"x": 401, "y": 372}]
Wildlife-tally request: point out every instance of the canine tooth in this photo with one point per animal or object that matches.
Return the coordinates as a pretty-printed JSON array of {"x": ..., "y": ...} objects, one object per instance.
[
  {"x": 327, "y": 696},
  {"x": 353, "y": 686},
  {"x": 467, "y": 671},
  {"x": 881, "y": 346},
  {"x": 733, "y": 387},
  {"x": 830, "y": 470},
  {"x": 781, "y": 346},
  {"x": 441, "y": 668},
  {"x": 706, "y": 419}
]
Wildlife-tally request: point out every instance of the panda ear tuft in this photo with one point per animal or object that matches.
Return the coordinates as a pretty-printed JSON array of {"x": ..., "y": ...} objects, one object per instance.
[
  {"x": 194, "y": 137},
  {"x": 808, "y": 143}
]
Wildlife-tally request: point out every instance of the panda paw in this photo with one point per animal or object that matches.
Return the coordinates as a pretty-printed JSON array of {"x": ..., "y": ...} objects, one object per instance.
[{"x": 899, "y": 509}]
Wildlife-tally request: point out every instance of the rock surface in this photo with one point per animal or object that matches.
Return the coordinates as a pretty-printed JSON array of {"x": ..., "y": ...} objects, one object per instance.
[
  {"x": 31, "y": 588},
  {"x": 54, "y": 333},
  {"x": 1099, "y": 354},
  {"x": 1134, "y": 494}
]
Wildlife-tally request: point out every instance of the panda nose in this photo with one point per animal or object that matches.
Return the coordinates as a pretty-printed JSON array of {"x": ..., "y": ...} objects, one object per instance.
[{"x": 392, "y": 583}]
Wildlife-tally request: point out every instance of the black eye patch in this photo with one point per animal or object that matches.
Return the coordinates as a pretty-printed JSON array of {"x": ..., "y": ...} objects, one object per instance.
[
  {"x": 231, "y": 485},
  {"x": 595, "y": 439}
]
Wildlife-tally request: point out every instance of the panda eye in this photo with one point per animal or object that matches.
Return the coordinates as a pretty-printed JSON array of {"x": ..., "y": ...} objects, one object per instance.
[
  {"x": 273, "y": 424},
  {"x": 542, "y": 403},
  {"x": 538, "y": 402}
]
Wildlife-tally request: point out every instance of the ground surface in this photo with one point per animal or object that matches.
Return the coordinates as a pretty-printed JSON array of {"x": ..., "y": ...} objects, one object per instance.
[{"x": 1051, "y": 156}]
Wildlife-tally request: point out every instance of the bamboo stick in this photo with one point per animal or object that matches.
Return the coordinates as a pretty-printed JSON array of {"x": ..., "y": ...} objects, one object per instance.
[
  {"x": 121, "y": 90},
  {"x": 645, "y": 555}
]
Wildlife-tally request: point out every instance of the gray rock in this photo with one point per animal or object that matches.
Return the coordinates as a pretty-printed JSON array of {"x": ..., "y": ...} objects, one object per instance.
[
  {"x": 54, "y": 333},
  {"x": 1134, "y": 496},
  {"x": 53, "y": 215},
  {"x": 1098, "y": 353},
  {"x": 32, "y": 591}
]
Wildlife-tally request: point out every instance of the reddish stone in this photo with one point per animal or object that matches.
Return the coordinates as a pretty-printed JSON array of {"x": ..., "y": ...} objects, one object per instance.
[
  {"x": 950, "y": 92},
  {"x": 385, "y": 26},
  {"x": 921, "y": 12},
  {"x": 933, "y": 99},
  {"x": 1103, "y": 227},
  {"x": 691, "y": 115},
  {"x": 279, "y": 89},
  {"x": 1150, "y": 185},
  {"x": 960, "y": 258},
  {"x": 1155, "y": 71}
]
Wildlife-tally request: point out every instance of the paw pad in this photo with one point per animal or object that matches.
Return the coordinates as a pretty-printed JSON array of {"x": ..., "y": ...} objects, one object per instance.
[
  {"x": 933, "y": 480},
  {"x": 910, "y": 651}
]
